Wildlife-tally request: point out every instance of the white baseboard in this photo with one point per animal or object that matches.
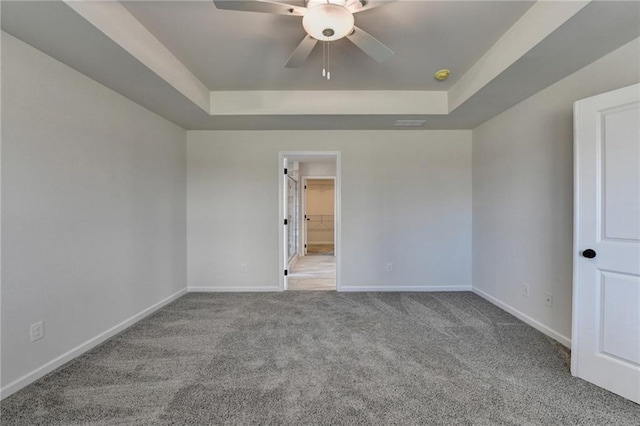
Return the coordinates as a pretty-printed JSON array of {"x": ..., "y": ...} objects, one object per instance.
[
  {"x": 404, "y": 288},
  {"x": 233, "y": 289},
  {"x": 39, "y": 372},
  {"x": 563, "y": 340}
]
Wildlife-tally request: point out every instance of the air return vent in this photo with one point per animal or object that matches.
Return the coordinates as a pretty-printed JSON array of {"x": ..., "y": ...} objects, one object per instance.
[{"x": 409, "y": 123}]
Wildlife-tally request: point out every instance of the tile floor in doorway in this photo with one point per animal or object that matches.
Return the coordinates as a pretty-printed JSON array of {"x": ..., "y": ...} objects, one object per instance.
[
  {"x": 326, "y": 249},
  {"x": 313, "y": 272}
]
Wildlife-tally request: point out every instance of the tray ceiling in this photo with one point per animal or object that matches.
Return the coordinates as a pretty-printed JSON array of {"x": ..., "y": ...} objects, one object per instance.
[{"x": 205, "y": 68}]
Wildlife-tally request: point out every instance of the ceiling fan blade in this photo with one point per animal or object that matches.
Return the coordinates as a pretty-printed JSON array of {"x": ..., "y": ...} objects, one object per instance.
[
  {"x": 370, "y": 4},
  {"x": 370, "y": 45},
  {"x": 302, "y": 52},
  {"x": 263, "y": 6}
]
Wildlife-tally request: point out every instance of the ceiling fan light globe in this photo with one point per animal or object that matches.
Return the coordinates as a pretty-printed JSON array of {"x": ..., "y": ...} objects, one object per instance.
[{"x": 318, "y": 19}]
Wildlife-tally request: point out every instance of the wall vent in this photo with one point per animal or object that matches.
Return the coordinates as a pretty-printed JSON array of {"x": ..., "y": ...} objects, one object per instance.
[{"x": 409, "y": 123}]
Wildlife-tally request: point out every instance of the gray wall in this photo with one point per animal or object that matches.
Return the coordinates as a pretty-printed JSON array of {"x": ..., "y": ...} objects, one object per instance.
[
  {"x": 93, "y": 208},
  {"x": 523, "y": 193},
  {"x": 406, "y": 199}
]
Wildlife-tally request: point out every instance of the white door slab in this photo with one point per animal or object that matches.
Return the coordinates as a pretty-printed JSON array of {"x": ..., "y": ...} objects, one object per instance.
[{"x": 606, "y": 287}]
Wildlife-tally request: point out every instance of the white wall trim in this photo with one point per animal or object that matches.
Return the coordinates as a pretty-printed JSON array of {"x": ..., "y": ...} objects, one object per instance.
[
  {"x": 563, "y": 340},
  {"x": 39, "y": 372},
  {"x": 233, "y": 289},
  {"x": 304, "y": 102},
  {"x": 356, "y": 288}
]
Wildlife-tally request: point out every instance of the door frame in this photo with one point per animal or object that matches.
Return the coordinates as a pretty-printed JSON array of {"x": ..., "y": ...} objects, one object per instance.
[
  {"x": 303, "y": 208},
  {"x": 292, "y": 259},
  {"x": 300, "y": 156}
]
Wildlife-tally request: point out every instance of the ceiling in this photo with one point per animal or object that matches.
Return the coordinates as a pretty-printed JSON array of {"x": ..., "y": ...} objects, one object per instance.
[
  {"x": 205, "y": 68},
  {"x": 229, "y": 50}
]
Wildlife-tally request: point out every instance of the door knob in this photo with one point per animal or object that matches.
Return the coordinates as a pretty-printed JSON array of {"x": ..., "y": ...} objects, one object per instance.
[{"x": 589, "y": 253}]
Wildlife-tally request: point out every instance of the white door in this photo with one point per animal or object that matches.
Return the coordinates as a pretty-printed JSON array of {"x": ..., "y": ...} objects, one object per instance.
[
  {"x": 291, "y": 219},
  {"x": 606, "y": 288}
]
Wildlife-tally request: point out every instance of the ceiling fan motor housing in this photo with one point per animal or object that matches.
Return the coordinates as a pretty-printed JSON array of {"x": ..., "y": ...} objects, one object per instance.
[{"x": 328, "y": 22}]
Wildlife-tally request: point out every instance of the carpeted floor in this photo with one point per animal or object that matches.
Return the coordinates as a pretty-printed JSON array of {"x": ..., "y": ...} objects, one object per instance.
[{"x": 321, "y": 358}]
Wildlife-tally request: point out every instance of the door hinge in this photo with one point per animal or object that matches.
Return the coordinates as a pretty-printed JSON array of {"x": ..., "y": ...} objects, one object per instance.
[
  {"x": 285, "y": 171},
  {"x": 305, "y": 246},
  {"x": 305, "y": 187},
  {"x": 286, "y": 221},
  {"x": 286, "y": 272}
]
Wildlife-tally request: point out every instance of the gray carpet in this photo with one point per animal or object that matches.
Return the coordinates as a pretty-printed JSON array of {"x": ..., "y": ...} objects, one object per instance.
[{"x": 321, "y": 358}]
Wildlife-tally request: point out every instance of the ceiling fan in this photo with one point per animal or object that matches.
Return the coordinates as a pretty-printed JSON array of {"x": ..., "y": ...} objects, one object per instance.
[{"x": 323, "y": 20}]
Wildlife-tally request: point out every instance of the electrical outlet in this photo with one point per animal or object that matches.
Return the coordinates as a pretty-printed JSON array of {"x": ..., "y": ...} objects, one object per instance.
[
  {"x": 389, "y": 267},
  {"x": 243, "y": 267},
  {"x": 525, "y": 290},
  {"x": 37, "y": 331},
  {"x": 548, "y": 297}
]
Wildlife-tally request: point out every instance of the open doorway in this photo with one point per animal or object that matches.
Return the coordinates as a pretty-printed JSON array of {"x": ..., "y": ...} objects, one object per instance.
[
  {"x": 319, "y": 215},
  {"x": 310, "y": 207}
]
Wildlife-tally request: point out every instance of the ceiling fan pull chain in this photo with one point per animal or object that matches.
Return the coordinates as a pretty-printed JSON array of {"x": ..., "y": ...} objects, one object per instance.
[
  {"x": 324, "y": 47},
  {"x": 328, "y": 60}
]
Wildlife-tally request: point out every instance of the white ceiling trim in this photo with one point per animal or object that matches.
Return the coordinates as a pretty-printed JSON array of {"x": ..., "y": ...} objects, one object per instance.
[
  {"x": 329, "y": 102},
  {"x": 543, "y": 18},
  {"x": 123, "y": 28}
]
